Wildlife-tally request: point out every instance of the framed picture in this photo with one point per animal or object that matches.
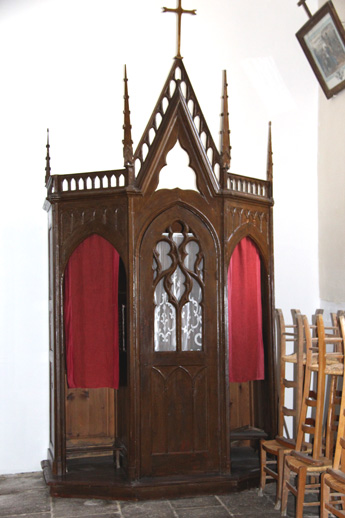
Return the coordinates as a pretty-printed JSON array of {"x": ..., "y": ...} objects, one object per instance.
[{"x": 323, "y": 40}]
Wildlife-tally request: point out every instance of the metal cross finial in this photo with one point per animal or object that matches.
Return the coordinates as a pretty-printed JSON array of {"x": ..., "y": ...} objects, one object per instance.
[
  {"x": 179, "y": 11},
  {"x": 304, "y": 3}
]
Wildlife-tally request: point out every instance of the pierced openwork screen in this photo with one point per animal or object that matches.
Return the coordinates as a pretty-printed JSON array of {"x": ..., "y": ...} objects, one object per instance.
[{"x": 178, "y": 267}]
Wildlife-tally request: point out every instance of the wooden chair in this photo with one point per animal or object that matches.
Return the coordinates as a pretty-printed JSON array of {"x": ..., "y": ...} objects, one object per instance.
[
  {"x": 335, "y": 383},
  {"x": 272, "y": 451},
  {"x": 333, "y": 481},
  {"x": 334, "y": 401},
  {"x": 307, "y": 467}
]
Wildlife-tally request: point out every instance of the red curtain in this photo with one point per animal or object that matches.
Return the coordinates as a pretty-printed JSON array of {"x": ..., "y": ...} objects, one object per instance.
[
  {"x": 246, "y": 350},
  {"x": 91, "y": 315}
]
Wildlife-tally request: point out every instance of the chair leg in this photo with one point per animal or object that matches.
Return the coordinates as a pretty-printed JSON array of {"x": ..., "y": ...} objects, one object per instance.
[
  {"x": 325, "y": 496},
  {"x": 263, "y": 459},
  {"x": 280, "y": 469},
  {"x": 285, "y": 489},
  {"x": 301, "y": 482}
]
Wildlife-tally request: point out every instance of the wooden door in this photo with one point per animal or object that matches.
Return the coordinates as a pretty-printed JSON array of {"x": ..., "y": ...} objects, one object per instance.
[{"x": 178, "y": 347}]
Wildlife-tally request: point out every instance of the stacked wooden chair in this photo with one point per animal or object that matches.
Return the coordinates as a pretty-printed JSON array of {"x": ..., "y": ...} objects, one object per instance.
[
  {"x": 305, "y": 464},
  {"x": 333, "y": 481},
  {"x": 272, "y": 452}
]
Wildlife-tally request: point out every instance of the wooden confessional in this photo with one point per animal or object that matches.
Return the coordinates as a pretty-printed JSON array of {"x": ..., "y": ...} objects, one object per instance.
[{"x": 167, "y": 429}]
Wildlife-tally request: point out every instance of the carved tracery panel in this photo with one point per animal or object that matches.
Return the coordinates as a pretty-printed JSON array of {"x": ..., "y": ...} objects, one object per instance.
[{"x": 178, "y": 266}]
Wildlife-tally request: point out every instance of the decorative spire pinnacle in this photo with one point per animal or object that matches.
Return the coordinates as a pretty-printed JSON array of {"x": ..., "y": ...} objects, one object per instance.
[
  {"x": 225, "y": 148},
  {"x": 47, "y": 160},
  {"x": 127, "y": 141},
  {"x": 269, "y": 154},
  {"x": 179, "y": 11}
]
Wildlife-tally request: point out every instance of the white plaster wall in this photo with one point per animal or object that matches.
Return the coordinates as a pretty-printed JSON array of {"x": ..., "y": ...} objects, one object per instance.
[
  {"x": 331, "y": 170},
  {"x": 62, "y": 67}
]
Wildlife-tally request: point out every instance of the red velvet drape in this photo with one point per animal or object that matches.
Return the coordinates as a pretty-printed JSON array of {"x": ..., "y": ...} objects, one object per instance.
[
  {"x": 246, "y": 350},
  {"x": 91, "y": 315}
]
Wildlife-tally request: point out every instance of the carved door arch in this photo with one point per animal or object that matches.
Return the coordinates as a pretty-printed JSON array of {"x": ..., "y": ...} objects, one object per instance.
[{"x": 178, "y": 346}]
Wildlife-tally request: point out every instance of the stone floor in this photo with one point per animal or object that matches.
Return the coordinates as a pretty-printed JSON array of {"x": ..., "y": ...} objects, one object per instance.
[{"x": 26, "y": 495}]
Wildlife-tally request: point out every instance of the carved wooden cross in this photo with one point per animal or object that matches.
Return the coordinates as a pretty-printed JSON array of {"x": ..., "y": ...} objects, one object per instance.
[
  {"x": 179, "y": 11},
  {"x": 304, "y": 3}
]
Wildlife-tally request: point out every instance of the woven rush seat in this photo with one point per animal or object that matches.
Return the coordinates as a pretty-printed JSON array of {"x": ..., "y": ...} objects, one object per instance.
[
  {"x": 294, "y": 462},
  {"x": 331, "y": 358},
  {"x": 292, "y": 358}
]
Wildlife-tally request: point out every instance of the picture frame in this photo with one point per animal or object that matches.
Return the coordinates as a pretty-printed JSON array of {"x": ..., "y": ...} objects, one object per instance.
[{"x": 322, "y": 39}]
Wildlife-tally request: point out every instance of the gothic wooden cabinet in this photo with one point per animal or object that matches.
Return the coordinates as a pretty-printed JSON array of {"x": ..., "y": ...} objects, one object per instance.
[{"x": 152, "y": 413}]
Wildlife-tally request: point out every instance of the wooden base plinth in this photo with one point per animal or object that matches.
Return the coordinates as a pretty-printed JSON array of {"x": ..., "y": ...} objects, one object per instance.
[{"x": 98, "y": 478}]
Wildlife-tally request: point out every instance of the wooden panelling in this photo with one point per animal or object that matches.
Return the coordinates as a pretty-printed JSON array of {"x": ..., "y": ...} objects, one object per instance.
[{"x": 90, "y": 421}]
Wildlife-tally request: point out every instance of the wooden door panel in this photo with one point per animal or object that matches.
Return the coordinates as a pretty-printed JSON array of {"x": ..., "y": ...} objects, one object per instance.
[
  {"x": 90, "y": 422},
  {"x": 179, "y": 412},
  {"x": 159, "y": 432},
  {"x": 200, "y": 416},
  {"x": 179, "y": 391},
  {"x": 241, "y": 404},
  {"x": 179, "y": 404}
]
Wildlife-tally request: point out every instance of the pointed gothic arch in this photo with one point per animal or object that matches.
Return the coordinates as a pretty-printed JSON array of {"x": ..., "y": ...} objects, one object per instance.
[
  {"x": 91, "y": 314},
  {"x": 245, "y": 314},
  {"x": 178, "y": 283},
  {"x": 94, "y": 295},
  {"x": 248, "y": 317}
]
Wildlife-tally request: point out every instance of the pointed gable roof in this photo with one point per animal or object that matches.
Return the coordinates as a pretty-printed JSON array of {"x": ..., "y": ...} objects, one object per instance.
[{"x": 177, "y": 116}]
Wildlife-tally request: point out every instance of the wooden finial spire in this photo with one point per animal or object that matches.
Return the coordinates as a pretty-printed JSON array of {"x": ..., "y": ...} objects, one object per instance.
[
  {"x": 127, "y": 141},
  {"x": 225, "y": 148},
  {"x": 269, "y": 154},
  {"x": 47, "y": 160},
  {"x": 179, "y": 11}
]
